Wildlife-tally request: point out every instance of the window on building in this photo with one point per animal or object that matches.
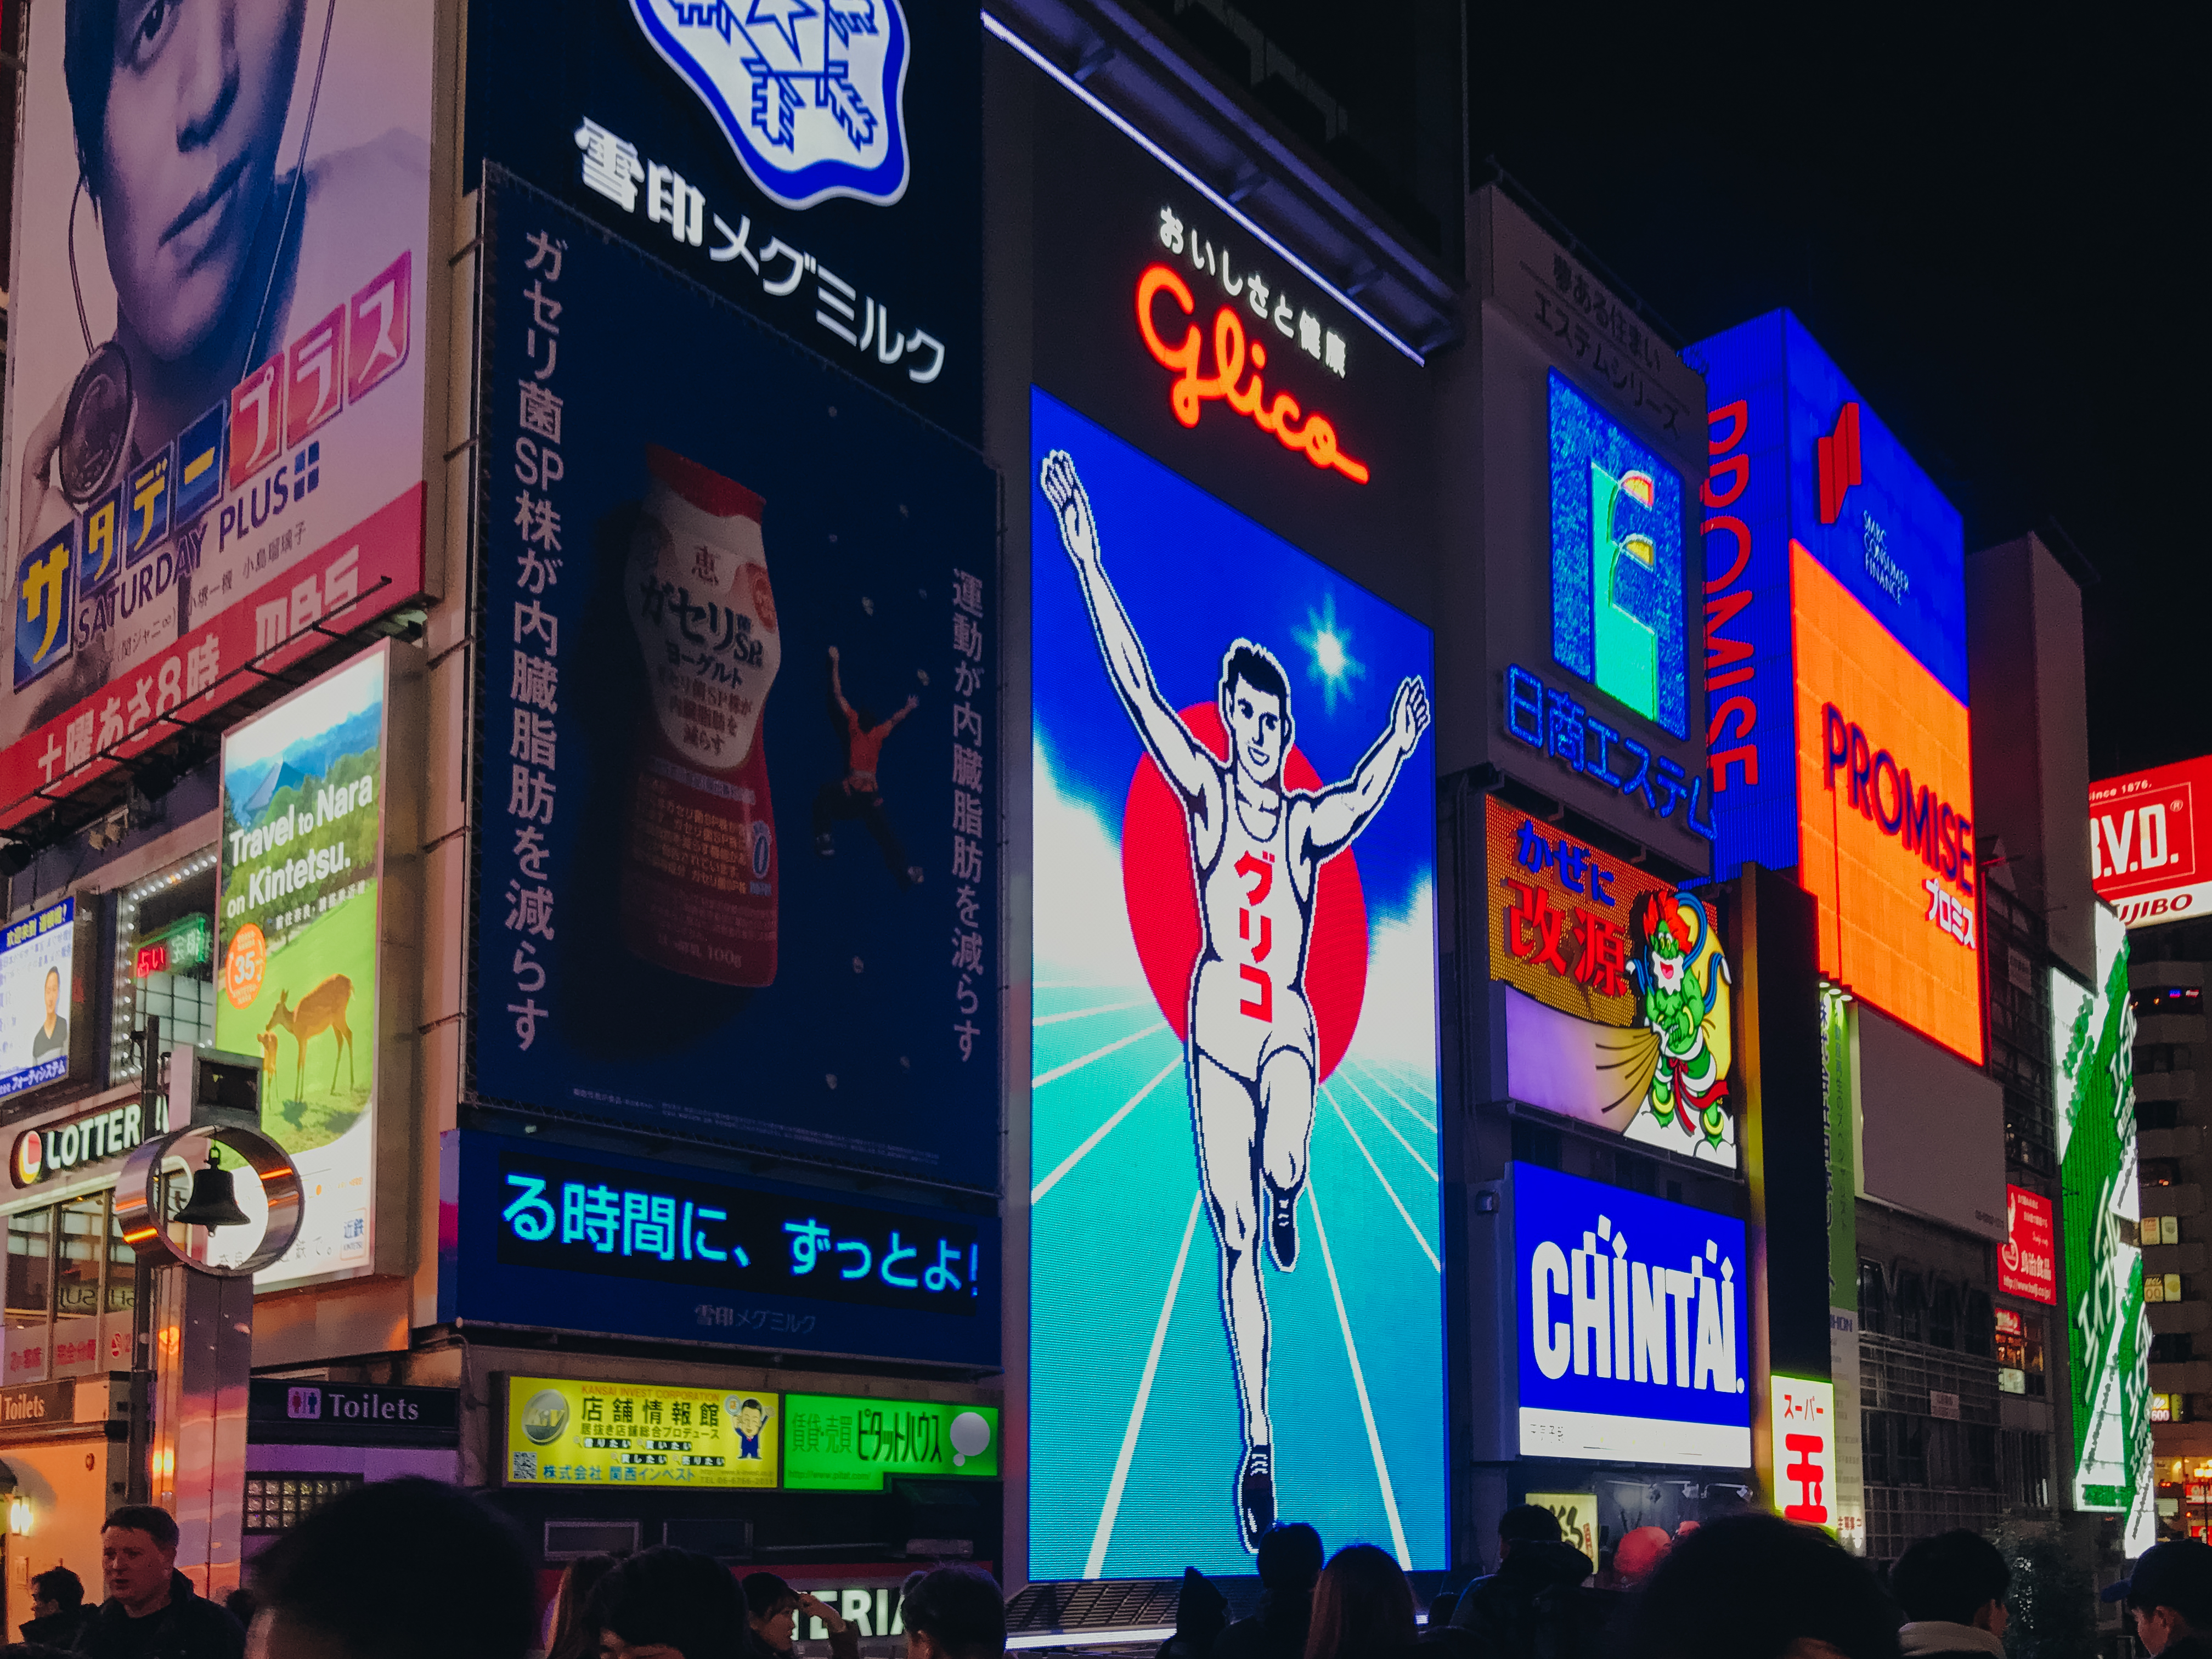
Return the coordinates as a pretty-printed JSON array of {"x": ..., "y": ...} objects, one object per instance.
[
  {"x": 1912, "y": 1308},
  {"x": 164, "y": 960},
  {"x": 2158, "y": 1114},
  {"x": 1874, "y": 1299},
  {"x": 1943, "y": 1315},
  {"x": 2024, "y": 1467},
  {"x": 1978, "y": 1324},
  {"x": 2161, "y": 1172},
  {"x": 2166, "y": 1000},
  {"x": 2164, "y": 1057},
  {"x": 2019, "y": 1342},
  {"x": 30, "y": 1268},
  {"x": 2171, "y": 1348}
]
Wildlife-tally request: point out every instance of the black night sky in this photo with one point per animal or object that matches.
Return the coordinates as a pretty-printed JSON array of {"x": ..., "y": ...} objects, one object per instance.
[{"x": 1991, "y": 223}]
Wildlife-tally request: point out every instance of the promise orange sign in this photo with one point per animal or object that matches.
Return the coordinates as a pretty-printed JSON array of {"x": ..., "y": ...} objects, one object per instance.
[{"x": 1885, "y": 835}]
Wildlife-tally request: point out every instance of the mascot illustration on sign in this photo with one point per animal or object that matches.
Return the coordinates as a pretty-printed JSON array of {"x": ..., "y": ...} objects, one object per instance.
[
  {"x": 1675, "y": 1063},
  {"x": 1253, "y": 1057}
]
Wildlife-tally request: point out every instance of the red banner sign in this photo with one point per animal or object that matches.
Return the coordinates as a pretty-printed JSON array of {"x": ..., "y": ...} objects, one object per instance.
[{"x": 2027, "y": 1265}]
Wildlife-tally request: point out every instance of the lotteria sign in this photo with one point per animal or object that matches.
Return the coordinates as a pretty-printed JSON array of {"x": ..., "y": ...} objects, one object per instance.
[
  {"x": 1632, "y": 1336},
  {"x": 2142, "y": 843},
  {"x": 42, "y": 1154}
]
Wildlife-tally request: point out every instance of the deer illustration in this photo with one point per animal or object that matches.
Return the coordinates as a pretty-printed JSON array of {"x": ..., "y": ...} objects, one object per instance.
[{"x": 322, "y": 1009}]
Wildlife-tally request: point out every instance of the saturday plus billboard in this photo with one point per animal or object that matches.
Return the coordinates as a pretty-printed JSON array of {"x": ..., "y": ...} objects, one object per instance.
[
  {"x": 2142, "y": 843},
  {"x": 1797, "y": 459}
]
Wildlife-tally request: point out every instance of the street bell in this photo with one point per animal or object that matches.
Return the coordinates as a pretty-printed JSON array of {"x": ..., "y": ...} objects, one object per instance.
[{"x": 213, "y": 1202}]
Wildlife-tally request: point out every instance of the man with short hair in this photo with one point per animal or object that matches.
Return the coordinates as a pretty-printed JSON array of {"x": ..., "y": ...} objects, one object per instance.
[
  {"x": 409, "y": 1568},
  {"x": 954, "y": 1613},
  {"x": 2170, "y": 1593},
  {"x": 1534, "y": 1559},
  {"x": 57, "y": 1610},
  {"x": 1951, "y": 1589},
  {"x": 151, "y": 1611}
]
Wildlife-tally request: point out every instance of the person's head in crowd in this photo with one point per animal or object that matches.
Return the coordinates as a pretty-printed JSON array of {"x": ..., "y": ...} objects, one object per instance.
[
  {"x": 55, "y": 1590},
  {"x": 242, "y": 1604},
  {"x": 571, "y": 1635},
  {"x": 771, "y": 1609},
  {"x": 1291, "y": 1557},
  {"x": 953, "y": 1613},
  {"x": 669, "y": 1603},
  {"x": 1441, "y": 1608},
  {"x": 138, "y": 1557},
  {"x": 1639, "y": 1553},
  {"x": 1758, "y": 1587},
  {"x": 1954, "y": 1578},
  {"x": 404, "y": 1569},
  {"x": 34, "y": 1651},
  {"x": 1362, "y": 1606},
  {"x": 2170, "y": 1593},
  {"x": 1526, "y": 1523}
]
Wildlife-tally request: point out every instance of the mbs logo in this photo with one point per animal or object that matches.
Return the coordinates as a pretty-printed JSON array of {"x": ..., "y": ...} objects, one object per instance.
[{"x": 1617, "y": 572}]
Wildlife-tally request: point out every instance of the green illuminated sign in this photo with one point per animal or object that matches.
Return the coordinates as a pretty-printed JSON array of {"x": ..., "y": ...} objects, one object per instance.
[
  {"x": 2093, "y": 1051},
  {"x": 847, "y": 1442}
]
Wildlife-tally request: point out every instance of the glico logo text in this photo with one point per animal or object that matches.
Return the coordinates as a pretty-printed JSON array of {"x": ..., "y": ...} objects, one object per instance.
[
  {"x": 1942, "y": 838},
  {"x": 1316, "y": 439}
]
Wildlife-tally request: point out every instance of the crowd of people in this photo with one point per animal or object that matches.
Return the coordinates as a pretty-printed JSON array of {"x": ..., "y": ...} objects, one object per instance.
[{"x": 374, "y": 1576}]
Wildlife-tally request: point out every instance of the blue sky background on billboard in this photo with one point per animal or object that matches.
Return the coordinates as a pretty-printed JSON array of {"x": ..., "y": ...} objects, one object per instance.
[
  {"x": 1778, "y": 424},
  {"x": 638, "y": 839},
  {"x": 1137, "y": 1433},
  {"x": 1615, "y": 1364}
]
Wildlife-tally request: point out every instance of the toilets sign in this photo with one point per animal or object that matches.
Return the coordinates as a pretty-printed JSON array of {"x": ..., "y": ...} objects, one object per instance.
[{"x": 1632, "y": 1332}]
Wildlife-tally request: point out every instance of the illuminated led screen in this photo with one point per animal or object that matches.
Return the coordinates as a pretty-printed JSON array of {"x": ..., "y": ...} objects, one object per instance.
[
  {"x": 2093, "y": 1031},
  {"x": 1211, "y": 930},
  {"x": 1616, "y": 562},
  {"x": 2142, "y": 843},
  {"x": 1797, "y": 457},
  {"x": 1633, "y": 1334},
  {"x": 1885, "y": 786}
]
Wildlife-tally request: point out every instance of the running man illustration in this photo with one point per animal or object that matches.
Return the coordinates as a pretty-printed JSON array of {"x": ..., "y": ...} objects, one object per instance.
[
  {"x": 857, "y": 794},
  {"x": 1256, "y": 851}
]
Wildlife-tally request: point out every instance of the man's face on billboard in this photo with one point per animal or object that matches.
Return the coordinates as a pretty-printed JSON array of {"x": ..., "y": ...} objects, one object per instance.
[
  {"x": 196, "y": 107},
  {"x": 53, "y": 992},
  {"x": 749, "y": 1421},
  {"x": 1256, "y": 727}
]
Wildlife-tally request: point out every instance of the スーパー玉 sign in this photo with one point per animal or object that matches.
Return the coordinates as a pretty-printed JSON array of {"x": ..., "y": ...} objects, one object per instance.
[
  {"x": 216, "y": 448},
  {"x": 1619, "y": 1011},
  {"x": 2107, "y": 1336},
  {"x": 541, "y": 1237},
  {"x": 301, "y": 863},
  {"x": 1234, "y": 973},
  {"x": 38, "y": 966},
  {"x": 819, "y": 166},
  {"x": 851, "y": 1442},
  {"x": 1885, "y": 782},
  {"x": 2027, "y": 1261},
  {"x": 1631, "y": 1334},
  {"x": 565, "y": 1432},
  {"x": 2142, "y": 843},
  {"x": 1798, "y": 460},
  {"x": 1801, "y": 1415},
  {"x": 742, "y": 806}
]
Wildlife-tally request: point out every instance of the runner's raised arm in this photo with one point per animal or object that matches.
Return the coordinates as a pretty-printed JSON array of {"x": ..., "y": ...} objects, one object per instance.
[{"x": 1188, "y": 766}]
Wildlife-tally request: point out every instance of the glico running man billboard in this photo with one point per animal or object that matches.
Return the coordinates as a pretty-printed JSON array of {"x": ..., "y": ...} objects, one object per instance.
[
  {"x": 2093, "y": 1032},
  {"x": 1235, "y": 1308},
  {"x": 739, "y": 876},
  {"x": 216, "y": 422}
]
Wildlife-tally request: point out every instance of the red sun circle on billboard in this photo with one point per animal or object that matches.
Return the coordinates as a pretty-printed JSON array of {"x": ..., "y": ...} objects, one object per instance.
[{"x": 1160, "y": 890}]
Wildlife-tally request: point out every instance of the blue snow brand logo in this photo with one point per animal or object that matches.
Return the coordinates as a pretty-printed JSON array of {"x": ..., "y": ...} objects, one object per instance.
[{"x": 811, "y": 94}]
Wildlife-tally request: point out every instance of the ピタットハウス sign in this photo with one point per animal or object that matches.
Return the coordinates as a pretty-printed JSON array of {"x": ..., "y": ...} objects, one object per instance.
[{"x": 811, "y": 93}]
